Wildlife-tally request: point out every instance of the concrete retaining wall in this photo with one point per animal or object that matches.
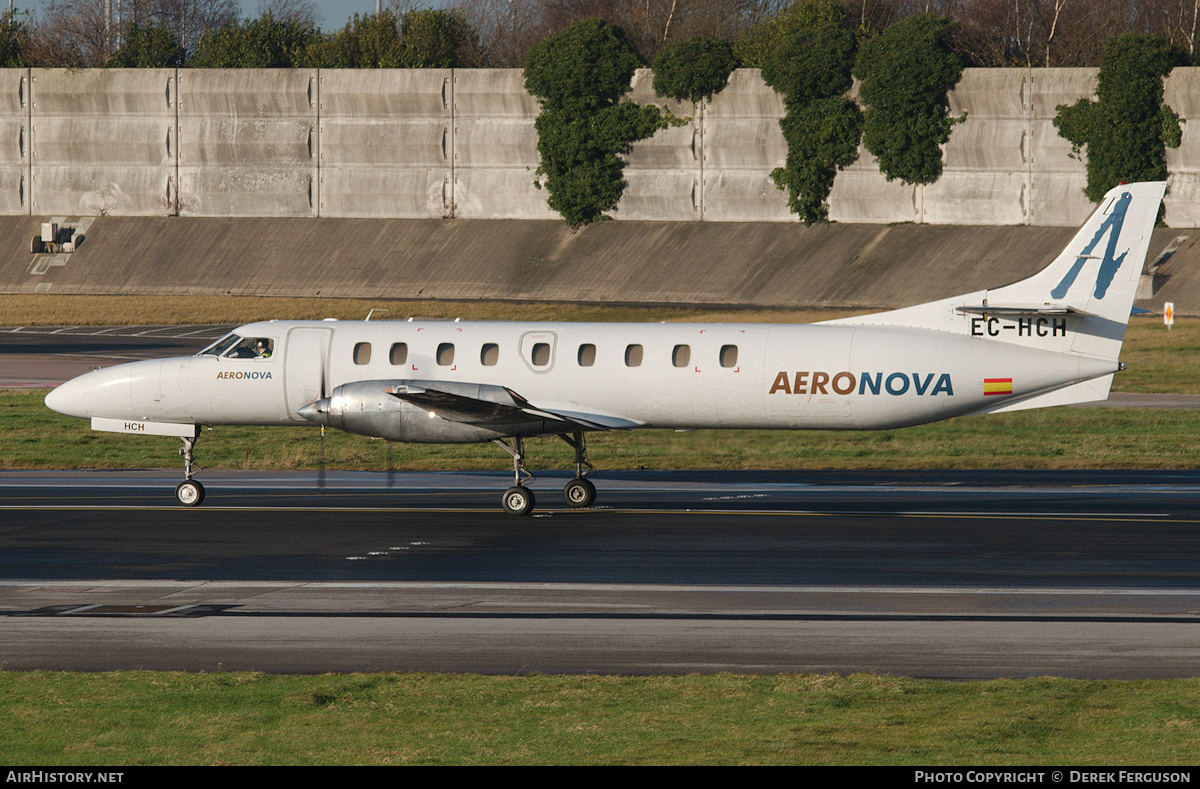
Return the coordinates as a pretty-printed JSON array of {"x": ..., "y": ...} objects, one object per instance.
[
  {"x": 439, "y": 143},
  {"x": 718, "y": 263}
]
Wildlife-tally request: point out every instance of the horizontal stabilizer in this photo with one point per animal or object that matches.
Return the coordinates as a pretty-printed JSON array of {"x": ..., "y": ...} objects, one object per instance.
[{"x": 1021, "y": 309}]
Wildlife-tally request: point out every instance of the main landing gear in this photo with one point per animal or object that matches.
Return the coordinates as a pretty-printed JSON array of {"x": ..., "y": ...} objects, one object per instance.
[
  {"x": 189, "y": 492},
  {"x": 578, "y": 493}
]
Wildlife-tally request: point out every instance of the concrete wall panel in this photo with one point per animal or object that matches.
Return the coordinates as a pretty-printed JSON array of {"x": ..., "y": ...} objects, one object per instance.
[
  {"x": 991, "y": 93},
  {"x": 495, "y": 142},
  {"x": 242, "y": 191},
  {"x": 660, "y": 196},
  {"x": 1057, "y": 199},
  {"x": 496, "y": 191},
  {"x": 861, "y": 194},
  {"x": 102, "y": 140},
  {"x": 744, "y": 196},
  {"x": 995, "y": 146},
  {"x": 493, "y": 93},
  {"x": 495, "y": 147},
  {"x": 384, "y": 192},
  {"x": 247, "y": 142},
  {"x": 99, "y": 191},
  {"x": 247, "y": 93},
  {"x": 14, "y": 141},
  {"x": 975, "y": 198},
  {"x": 664, "y": 172},
  {"x": 386, "y": 142},
  {"x": 435, "y": 143}
]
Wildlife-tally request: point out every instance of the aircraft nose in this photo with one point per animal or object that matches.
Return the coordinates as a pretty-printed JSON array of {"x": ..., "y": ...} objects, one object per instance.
[
  {"x": 69, "y": 398},
  {"x": 317, "y": 411}
]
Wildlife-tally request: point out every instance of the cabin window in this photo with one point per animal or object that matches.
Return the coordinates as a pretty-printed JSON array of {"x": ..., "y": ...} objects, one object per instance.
[
  {"x": 541, "y": 354},
  {"x": 399, "y": 353},
  {"x": 729, "y": 356},
  {"x": 633, "y": 356},
  {"x": 362, "y": 353},
  {"x": 681, "y": 355},
  {"x": 489, "y": 354},
  {"x": 445, "y": 354},
  {"x": 587, "y": 355}
]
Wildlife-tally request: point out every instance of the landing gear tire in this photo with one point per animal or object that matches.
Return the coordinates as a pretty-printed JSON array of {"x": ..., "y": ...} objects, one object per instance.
[
  {"x": 189, "y": 493},
  {"x": 518, "y": 500},
  {"x": 579, "y": 493}
]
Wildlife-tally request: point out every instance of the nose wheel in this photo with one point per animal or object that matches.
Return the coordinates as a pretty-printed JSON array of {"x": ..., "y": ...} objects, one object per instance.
[{"x": 189, "y": 492}]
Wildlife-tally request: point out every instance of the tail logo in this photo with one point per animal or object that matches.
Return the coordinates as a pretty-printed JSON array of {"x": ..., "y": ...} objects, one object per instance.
[{"x": 1110, "y": 264}]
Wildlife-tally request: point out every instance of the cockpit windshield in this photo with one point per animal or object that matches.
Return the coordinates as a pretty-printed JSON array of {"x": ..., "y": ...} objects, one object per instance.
[
  {"x": 222, "y": 345},
  {"x": 234, "y": 346}
]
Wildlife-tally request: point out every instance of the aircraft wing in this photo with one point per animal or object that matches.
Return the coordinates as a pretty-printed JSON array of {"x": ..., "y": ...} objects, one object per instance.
[{"x": 483, "y": 404}]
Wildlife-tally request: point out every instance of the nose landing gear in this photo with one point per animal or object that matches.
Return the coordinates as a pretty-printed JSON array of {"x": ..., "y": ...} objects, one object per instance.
[{"x": 189, "y": 492}]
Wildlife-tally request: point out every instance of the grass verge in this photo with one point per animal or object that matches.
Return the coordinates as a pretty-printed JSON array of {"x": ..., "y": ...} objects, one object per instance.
[
  {"x": 34, "y": 437},
  {"x": 135, "y": 718}
]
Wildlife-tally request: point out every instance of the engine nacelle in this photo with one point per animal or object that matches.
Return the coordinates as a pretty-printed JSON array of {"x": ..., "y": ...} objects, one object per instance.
[{"x": 367, "y": 409}]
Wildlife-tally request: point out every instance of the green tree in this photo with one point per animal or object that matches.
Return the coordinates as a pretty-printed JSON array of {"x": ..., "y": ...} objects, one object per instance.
[
  {"x": 693, "y": 69},
  {"x": 753, "y": 48},
  {"x": 1128, "y": 128},
  {"x": 14, "y": 41},
  {"x": 584, "y": 129},
  {"x": 148, "y": 46},
  {"x": 365, "y": 42},
  {"x": 439, "y": 39},
  {"x": 822, "y": 127},
  {"x": 265, "y": 42},
  {"x": 906, "y": 73}
]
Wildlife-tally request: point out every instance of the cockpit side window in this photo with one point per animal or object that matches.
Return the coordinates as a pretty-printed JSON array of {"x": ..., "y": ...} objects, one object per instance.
[{"x": 251, "y": 348}]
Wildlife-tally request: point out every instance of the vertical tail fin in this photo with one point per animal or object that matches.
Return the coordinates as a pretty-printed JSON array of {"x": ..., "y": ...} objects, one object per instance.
[
  {"x": 1090, "y": 286},
  {"x": 1097, "y": 274}
]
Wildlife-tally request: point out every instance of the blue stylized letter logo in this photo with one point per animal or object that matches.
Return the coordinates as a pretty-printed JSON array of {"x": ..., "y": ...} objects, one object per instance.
[{"x": 1109, "y": 265}]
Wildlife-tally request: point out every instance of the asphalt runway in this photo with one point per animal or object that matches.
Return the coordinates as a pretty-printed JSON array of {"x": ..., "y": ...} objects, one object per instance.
[
  {"x": 951, "y": 575},
  {"x": 957, "y": 575}
]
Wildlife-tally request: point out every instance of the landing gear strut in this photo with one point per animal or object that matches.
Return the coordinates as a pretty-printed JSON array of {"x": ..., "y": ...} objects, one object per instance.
[
  {"x": 518, "y": 500},
  {"x": 579, "y": 492},
  {"x": 189, "y": 492}
]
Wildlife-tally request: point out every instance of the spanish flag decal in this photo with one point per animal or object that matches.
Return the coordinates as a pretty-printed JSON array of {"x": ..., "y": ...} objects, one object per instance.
[{"x": 997, "y": 386}]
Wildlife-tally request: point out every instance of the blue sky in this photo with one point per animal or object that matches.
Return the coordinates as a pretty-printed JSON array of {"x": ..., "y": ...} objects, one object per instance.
[{"x": 336, "y": 12}]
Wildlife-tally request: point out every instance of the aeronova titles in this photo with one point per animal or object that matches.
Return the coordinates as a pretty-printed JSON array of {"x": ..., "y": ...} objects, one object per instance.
[
  {"x": 844, "y": 383},
  {"x": 242, "y": 374}
]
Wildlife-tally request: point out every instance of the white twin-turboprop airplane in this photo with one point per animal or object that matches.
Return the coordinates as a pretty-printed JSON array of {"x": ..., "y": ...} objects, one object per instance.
[{"x": 1048, "y": 340}]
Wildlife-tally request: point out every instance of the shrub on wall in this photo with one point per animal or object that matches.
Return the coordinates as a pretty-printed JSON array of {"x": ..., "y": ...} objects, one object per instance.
[
  {"x": 695, "y": 69},
  {"x": 906, "y": 73},
  {"x": 584, "y": 129},
  {"x": 811, "y": 69},
  {"x": 1128, "y": 128}
]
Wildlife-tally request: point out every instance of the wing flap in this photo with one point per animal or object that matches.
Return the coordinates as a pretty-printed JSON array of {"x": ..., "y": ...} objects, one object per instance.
[{"x": 484, "y": 404}]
